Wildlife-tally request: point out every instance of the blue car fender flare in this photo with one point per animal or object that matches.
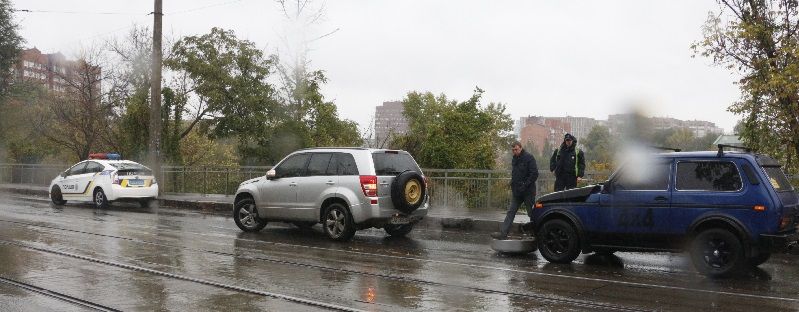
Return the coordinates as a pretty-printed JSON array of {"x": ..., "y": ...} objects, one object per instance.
[{"x": 739, "y": 228}]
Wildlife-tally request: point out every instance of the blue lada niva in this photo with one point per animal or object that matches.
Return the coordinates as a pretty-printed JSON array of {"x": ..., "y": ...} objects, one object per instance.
[{"x": 727, "y": 209}]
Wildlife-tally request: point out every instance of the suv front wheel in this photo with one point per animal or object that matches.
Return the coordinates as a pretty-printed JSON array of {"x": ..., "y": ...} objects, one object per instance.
[
  {"x": 558, "y": 241},
  {"x": 338, "y": 223},
  {"x": 717, "y": 252},
  {"x": 246, "y": 216}
]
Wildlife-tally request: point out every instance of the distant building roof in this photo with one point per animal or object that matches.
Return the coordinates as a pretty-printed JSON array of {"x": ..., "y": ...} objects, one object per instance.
[{"x": 729, "y": 139}]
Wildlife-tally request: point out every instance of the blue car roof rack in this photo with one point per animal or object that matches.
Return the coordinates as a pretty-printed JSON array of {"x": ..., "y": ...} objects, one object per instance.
[{"x": 723, "y": 146}]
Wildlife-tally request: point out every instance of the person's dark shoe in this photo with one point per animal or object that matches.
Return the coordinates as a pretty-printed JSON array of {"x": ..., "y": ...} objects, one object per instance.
[{"x": 498, "y": 235}]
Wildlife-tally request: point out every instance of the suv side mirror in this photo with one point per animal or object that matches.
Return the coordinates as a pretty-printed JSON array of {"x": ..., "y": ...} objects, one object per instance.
[
  {"x": 271, "y": 174},
  {"x": 63, "y": 174}
]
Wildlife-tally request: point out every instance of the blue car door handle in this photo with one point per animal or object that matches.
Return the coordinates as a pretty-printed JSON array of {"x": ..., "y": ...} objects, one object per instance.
[{"x": 661, "y": 198}]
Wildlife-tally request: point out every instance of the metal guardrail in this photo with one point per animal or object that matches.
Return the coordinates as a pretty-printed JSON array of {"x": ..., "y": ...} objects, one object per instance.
[{"x": 478, "y": 190}]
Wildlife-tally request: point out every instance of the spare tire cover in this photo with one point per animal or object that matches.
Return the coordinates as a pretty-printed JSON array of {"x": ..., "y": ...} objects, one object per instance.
[{"x": 408, "y": 191}]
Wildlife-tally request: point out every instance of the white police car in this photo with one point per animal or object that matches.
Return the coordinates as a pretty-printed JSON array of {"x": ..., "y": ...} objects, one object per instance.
[{"x": 104, "y": 178}]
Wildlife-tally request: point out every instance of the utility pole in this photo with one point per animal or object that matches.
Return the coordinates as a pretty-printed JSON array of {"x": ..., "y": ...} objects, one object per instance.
[{"x": 154, "y": 147}]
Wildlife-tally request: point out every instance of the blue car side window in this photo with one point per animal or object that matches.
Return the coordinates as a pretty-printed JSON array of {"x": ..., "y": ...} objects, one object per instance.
[{"x": 655, "y": 178}]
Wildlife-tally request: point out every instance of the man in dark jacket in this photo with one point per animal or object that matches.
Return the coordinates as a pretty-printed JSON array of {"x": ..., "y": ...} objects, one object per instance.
[
  {"x": 523, "y": 176},
  {"x": 568, "y": 164}
]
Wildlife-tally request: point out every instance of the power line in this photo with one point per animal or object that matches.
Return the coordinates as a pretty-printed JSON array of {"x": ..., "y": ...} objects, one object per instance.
[
  {"x": 76, "y": 12},
  {"x": 126, "y": 13}
]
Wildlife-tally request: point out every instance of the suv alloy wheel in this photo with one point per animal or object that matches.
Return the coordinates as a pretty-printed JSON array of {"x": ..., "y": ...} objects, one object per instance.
[
  {"x": 246, "y": 216},
  {"x": 338, "y": 223},
  {"x": 558, "y": 241}
]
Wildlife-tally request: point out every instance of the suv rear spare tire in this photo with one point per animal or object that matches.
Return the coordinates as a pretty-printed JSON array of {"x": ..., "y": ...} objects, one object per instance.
[{"x": 408, "y": 191}]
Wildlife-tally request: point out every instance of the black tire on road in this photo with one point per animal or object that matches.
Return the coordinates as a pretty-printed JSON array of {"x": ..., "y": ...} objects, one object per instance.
[
  {"x": 759, "y": 259},
  {"x": 558, "y": 241},
  {"x": 338, "y": 223},
  {"x": 99, "y": 199},
  {"x": 246, "y": 216},
  {"x": 408, "y": 191},
  {"x": 56, "y": 196},
  {"x": 146, "y": 203},
  {"x": 717, "y": 252},
  {"x": 398, "y": 230}
]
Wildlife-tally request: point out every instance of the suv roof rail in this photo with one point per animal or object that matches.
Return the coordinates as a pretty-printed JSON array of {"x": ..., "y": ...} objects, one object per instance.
[
  {"x": 666, "y": 148},
  {"x": 723, "y": 146}
]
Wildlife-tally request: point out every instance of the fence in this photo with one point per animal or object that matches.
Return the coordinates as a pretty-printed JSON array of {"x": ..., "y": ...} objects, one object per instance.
[{"x": 452, "y": 189}]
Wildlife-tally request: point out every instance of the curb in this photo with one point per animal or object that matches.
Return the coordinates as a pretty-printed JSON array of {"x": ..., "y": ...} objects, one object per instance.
[{"x": 464, "y": 224}]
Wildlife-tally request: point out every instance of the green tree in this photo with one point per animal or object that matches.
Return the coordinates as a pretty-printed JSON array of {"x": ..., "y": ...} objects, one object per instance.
[
  {"x": 681, "y": 138},
  {"x": 305, "y": 119},
  {"x": 10, "y": 44},
  {"x": 22, "y": 142},
  {"x": 74, "y": 119},
  {"x": 128, "y": 85},
  {"x": 759, "y": 39},
  {"x": 227, "y": 79},
  {"x": 600, "y": 145},
  {"x": 448, "y": 134}
]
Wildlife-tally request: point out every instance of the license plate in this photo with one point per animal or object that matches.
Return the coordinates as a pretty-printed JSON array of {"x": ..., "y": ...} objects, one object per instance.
[
  {"x": 136, "y": 182},
  {"x": 399, "y": 220}
]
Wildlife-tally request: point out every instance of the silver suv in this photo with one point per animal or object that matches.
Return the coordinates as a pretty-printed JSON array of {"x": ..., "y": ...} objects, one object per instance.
[{"x": 345, "y": 189}]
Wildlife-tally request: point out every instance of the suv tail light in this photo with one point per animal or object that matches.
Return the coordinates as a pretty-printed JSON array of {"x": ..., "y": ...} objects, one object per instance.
[{"x": 369, "y": 185}]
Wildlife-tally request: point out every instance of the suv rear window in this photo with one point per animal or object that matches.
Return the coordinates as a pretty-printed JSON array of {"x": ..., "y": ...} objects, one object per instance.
[
  {"x": 393, "y": 163},
  {"x": 778, "y": 179},
  {"x": 720, "y": 176}
]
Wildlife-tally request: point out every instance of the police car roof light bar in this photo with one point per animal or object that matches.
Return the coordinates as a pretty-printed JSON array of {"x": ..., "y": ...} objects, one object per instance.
[
  {"x": 722, "y": 146},
  {"x": 666, "y": 148},
  {"x": 109, "y": 156}
]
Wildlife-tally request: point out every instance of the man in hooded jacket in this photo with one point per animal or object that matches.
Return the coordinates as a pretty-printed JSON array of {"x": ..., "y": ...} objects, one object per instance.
[
  {"x": 523, "y": 176},
  {"x": 568, "y": 164}
]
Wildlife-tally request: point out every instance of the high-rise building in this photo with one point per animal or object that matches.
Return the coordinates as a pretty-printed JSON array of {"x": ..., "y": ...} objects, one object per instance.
[
  {"x": 580, "y": 126},
  {"x": 389, "y": 122},
  {"x": 54, "y": 70},
  {"x": 620, "y": 123},
  {"x": 538, "y": 131}
]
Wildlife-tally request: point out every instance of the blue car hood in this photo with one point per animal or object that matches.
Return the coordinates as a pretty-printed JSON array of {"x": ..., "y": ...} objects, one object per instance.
[{"x": 576, "y": 195}]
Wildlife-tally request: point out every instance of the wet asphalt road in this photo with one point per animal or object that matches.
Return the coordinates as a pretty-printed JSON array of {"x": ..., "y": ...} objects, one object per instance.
[{"x": 77, "y": 258}]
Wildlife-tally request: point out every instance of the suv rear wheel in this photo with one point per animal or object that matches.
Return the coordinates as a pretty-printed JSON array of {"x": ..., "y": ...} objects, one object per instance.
[
  {"x": 338, "y": 222},
  {"x": 558, "y": 241},
  {"x": 717, "y": 252},
  {"x": 246, "y": 216},
  {"x": 398, "y": 229}
]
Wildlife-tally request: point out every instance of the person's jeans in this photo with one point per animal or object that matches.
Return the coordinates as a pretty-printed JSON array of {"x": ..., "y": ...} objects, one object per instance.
[
  {"x": 565, "y": 182},
  {"x": 515, "y": 202}
]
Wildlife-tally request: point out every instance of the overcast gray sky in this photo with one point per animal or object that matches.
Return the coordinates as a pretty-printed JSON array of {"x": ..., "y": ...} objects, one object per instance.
[{"x": 551, "y": 58}]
